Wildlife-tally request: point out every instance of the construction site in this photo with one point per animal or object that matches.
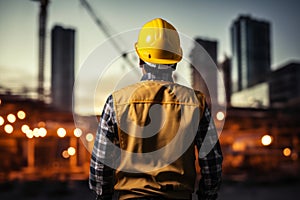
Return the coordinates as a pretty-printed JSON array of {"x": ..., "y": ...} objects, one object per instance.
[{"x": 45, "y": 155}]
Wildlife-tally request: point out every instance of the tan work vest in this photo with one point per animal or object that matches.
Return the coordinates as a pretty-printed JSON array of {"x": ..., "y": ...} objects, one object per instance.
[{"x": 157, "y": 123}]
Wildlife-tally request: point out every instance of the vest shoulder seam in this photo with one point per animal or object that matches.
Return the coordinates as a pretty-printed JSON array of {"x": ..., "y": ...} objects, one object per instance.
[{"x": 158, "y": 102}]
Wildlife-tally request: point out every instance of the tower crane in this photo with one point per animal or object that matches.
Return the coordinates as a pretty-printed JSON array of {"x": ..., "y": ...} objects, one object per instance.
[
  {"x": 42, "y": 36},
  {"x": 106, "y": 31}
]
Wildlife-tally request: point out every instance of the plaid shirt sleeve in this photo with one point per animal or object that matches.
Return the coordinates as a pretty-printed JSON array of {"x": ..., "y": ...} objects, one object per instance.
[
  {"x": 101, "y": 176},
  {"x": 210, "y": 158}
]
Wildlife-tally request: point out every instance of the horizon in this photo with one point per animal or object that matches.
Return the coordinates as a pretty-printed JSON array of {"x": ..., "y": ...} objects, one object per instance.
[{"x": 19, "y": 34}]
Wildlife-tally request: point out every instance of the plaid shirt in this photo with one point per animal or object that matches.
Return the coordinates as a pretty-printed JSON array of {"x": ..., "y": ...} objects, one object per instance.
[{"x": 101, "y": 178}]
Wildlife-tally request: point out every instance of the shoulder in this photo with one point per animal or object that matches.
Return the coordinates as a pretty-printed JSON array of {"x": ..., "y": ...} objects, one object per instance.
[
  {"x": 122, "y": 92},
  {"x": 182, "y": 89}
]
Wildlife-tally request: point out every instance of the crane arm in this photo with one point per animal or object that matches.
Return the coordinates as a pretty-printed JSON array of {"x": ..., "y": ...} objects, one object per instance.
[{"x": 102, "y": 26}]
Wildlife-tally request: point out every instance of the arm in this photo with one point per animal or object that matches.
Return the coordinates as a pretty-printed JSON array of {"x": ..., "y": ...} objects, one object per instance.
[
  {"x": 210, "y": 158},
  {"x": 101, "y": 176}
]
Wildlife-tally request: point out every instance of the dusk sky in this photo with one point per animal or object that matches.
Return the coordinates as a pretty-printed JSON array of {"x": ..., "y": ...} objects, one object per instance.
[{"x": 194, "y": 18}]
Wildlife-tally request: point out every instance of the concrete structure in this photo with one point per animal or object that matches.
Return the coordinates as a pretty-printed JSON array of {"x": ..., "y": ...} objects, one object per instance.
[
  {"x": 253, "y": 97},
  {"x": 62, "y": 74},
  {"x": 247, "y": 157},
  {"x": 32, "y": 154},
  {"x": 204, "y": 56},
  {"x": 225, "y": 67},
  {"x": 285, "y": 84},
  {"x": 251, "y": 52},
  {"x": 35, "y": 141}
]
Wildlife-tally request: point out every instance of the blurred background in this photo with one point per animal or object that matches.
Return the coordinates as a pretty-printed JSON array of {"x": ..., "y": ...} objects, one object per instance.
[{"x": 44, "y": 43}]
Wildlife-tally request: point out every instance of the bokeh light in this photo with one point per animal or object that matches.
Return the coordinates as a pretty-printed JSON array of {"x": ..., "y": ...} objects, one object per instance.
[
  {"x": 41, "y": 124},
  {"x": 220, "y": 116},
  {"x": 25, "y": 128},
  {"x": 266, "y": 140},
  {"x": 8, "y": 128},
  {"x": 89, "y": 137},
  {"x": 42, "y": 132},
  {"x": 1, "y": 121},
  {"x": 36, "y": 132},
  {"x": 287, "y": 152},
  {"x": 11, "y": 118},
  {"x": 71, "y": 151},
  {"x": 77, "y": 132},
  {"x": 294, "y": 156},
  {"x": 61, "y": 132},
  {"x": 65, "y": 154},
  {"x": 239, "y": 146},
  {"x": 29, "y": 133},
  {"x": 21, "y": 114}
]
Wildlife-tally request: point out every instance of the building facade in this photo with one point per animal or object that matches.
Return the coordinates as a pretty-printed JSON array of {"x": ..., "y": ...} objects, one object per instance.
[
  {"x": 285, "y": 84},
  {"x": 253, "y": 97},
  {"x": 251, "y": 57},
  {"x": 62, "y": 74},
  {"x": 204, "y": 74},
  {"x": 225, "y": 67}
]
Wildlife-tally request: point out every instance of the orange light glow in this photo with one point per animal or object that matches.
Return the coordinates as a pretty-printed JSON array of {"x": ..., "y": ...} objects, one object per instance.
[
  {"x": 21, "y": 114},
  {"x": 220, "y": 116},
  {"x": 287, "y": 152},
  {"x": 8, "y": 128},
  {"x": 29, "y": 133},
  {"x": 41, "y": 124},
  {"x": 1, "y": 121},
  {"x": 71, "y": 151},
  {"x": 239, "y": 146},
  {"x": 294, "y": 156},
  {"x": 77, "y": 132},
  {"x": 25, "y": 128},
  {"x": 266, "y": 140},
  {"x": 42, "y": 132},
  {"x": 36, "y": 132},
  {"x": 65, "y": 154},
  {"x": 61, "y": 132},
  {"x": 89, "y": 137},
  {"x": 11, "y": 118}
]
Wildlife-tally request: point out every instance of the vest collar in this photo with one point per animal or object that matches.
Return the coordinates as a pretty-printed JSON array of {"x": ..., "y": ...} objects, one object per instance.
[{"x": 161, "y": 77}]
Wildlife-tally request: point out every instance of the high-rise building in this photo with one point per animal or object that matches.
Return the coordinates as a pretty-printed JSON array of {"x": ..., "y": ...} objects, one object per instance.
[
  {"x": 285, "y": 84},
  {"x": 251, "y": 57},
  {"x": 225, "y": 66},
  {"x": 204, "y": 74},
  {"x": 62, "y": 75}
]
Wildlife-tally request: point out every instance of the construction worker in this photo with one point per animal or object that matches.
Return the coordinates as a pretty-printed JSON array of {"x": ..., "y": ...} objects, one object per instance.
[{"x": 156, "y": 124}]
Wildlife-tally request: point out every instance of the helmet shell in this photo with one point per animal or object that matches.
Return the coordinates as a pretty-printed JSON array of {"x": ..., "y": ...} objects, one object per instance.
[{"x": 159, "y": 43}]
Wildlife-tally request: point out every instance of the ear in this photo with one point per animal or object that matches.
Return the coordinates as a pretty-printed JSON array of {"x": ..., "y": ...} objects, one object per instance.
[{"x": 141, "y": 63}]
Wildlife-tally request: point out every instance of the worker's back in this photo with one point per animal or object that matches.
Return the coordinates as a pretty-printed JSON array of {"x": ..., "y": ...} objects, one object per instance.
[{"x": 157, "y": 123}]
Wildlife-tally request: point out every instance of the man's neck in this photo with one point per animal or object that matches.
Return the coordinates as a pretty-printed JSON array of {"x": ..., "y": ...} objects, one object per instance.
[{"x": 158, "y": 77}]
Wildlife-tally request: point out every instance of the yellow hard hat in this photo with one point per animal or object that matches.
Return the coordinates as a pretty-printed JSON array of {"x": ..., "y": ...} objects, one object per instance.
[{"x": 159, "y": 43}]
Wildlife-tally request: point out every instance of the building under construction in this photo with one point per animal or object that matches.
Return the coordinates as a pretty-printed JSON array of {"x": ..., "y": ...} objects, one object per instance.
[{"x": 39, "y": 142}]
